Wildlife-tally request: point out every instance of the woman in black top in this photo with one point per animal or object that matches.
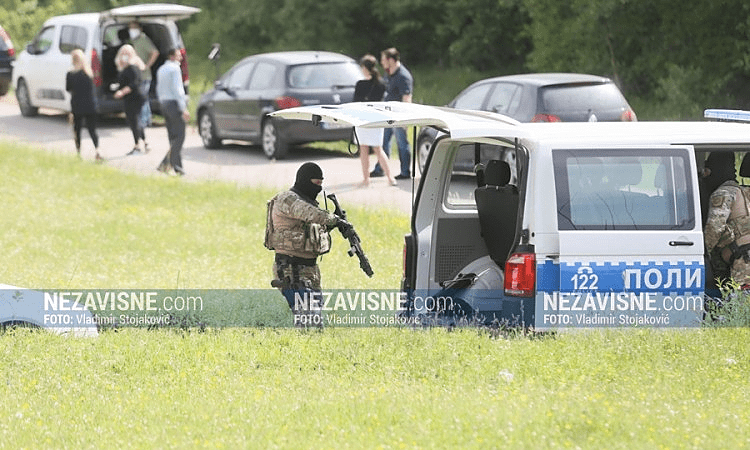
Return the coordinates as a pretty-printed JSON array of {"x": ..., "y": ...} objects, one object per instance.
[
  {"x": 371, "y": 89},
  {"x": 130, "y": 66},
  {"x": 82, "y": 100}
]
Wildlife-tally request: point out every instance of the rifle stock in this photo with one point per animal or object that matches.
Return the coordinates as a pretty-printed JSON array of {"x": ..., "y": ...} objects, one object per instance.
[{"x": 355, "y": 243}]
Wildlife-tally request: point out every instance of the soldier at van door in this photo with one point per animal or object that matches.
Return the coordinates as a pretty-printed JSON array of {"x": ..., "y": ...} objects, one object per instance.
[
  {"x": 298, "y": 231},
  {"x": 727, "y": 228}
]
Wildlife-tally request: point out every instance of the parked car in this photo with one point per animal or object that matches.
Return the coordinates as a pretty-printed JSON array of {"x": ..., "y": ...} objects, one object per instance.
[
  {"x": 539, "y": 97},
  {"x": 7, "y": 55},
  {"x": 39, "y": 73},
  {"x": 239, "y": 104}
]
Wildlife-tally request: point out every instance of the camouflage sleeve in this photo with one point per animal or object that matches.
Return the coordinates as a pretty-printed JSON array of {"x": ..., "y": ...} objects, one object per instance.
[
  {"x": 296, "y": 208},
  {"x": 716, "y": 232}
]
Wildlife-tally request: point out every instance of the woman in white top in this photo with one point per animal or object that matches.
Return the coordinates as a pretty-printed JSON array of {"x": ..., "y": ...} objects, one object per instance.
[{"x": 371, "y": 89}]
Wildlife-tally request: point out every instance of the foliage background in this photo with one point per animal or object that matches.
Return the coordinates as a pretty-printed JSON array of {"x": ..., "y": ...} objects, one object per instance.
[{"x": 671, "y": 61}]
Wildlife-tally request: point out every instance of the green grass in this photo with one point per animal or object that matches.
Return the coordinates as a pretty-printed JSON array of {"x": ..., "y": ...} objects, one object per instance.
[
  {"x": 68, "y": 223},
  {"x": 376, "y": 388},
  {"x": 74, "y": 224}
]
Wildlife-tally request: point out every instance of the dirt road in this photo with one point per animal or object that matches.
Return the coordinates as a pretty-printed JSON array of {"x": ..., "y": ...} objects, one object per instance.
[{"x": 235, "y": 162}]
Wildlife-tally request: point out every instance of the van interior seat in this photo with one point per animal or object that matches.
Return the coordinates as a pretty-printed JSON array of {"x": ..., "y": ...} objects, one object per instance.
[{"x": 497, "y": 206}]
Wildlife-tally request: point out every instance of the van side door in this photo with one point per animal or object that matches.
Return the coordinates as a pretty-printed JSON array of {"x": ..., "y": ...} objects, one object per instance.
[{"x": 630, "y": 240}]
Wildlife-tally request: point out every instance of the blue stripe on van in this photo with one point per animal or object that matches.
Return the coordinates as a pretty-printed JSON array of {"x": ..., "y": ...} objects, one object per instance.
[{"x": 651, "y": 276}]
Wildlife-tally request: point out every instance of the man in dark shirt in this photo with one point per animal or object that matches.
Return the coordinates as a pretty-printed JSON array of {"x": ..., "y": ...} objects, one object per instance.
[{"x": 399, "y": 85}]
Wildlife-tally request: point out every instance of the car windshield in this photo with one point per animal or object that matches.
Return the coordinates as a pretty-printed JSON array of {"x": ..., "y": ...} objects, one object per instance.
[
  {"x": 343, "y": 74},
  {"x": 581, "y": 97}
]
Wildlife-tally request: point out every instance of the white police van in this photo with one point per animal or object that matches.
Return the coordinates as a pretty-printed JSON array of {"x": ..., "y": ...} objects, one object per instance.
[{"x": 555, "y": 225}]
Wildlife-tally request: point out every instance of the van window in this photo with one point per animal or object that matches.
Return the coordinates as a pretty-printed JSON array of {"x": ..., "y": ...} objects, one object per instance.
[
  {"x": 43, "y": 41},
  {"x": 632, "y": 190},
  {"x": 463, "y": 180},
  {"x": 72, "y": 37}
]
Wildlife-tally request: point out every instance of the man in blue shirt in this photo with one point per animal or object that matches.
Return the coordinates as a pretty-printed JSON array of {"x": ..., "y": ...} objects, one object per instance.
[
  {"x": 171, "y": 94},
  {"x": 398, "y": 88}
]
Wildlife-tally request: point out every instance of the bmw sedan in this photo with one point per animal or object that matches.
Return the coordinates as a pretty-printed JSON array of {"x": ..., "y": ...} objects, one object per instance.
[
  {"x": 539, "y": 97},
  {"x": 238, "y": 106}
]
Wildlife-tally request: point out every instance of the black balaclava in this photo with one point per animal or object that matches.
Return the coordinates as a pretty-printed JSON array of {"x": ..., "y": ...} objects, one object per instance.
[
  {"x": 302, "y": 184},
  {"x": 722, "y": 169}
]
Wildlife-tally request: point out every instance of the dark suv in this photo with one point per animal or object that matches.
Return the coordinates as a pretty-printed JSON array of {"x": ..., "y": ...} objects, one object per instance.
[
  {"x": 7, "y": 55},
  {"x": 540, "y": 97},
  {"x": 238, "y": 106}
]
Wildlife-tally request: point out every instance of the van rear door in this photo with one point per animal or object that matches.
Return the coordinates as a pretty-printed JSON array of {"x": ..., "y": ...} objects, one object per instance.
[
  {"x": 631, "y": 244},
  {"x": 154, "y": 10}
]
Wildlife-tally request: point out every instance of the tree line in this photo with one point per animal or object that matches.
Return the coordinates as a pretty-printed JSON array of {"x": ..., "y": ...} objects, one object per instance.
[{"x": 680, "y": 55}]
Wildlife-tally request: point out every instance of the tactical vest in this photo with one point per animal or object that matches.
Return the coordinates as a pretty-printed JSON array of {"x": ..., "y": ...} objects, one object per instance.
[
  {"x": 293, "y": 236},
  {"x": 740, "y": 225}
]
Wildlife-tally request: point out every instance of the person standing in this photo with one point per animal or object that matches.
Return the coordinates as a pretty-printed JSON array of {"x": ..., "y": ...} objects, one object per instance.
[
  {"x": 297, "y": 229},
  {"x": 399, "y": 85},
  {"x": 371, "y": 89},
  {"x": 82, "y": 100},
  {"x": 727, "y": 229},
  {"x": 130, "y": 66},
  {"x": 173, "y": 101},
  {"x": 147, "y": 51}
]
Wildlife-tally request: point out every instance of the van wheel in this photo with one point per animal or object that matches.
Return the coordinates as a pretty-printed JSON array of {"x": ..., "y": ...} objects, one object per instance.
[
  {"x": 274, "y": 145},
  {"x": 24, "y": 100},
  {"x": 207, "y": 130}
]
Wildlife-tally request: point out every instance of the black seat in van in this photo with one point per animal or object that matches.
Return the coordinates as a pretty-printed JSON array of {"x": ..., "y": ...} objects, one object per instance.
[{"x": 497, "y": 205}]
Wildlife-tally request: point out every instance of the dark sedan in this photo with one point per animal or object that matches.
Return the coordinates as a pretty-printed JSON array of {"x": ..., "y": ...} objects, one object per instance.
[
  {"x": 7, "y": 56},
  {"x": 238, "y": 106},
  {"x": 539, "y": 97}
]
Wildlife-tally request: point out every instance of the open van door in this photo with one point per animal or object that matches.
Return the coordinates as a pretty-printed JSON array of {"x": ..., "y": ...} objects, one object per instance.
[{"x": 153, "y": 10}]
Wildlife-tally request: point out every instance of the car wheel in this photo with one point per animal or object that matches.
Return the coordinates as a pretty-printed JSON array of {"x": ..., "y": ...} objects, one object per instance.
[
  {"x": 207, "y": 130},
  {"x": 273, "y": 144},
  {"x": 24, "y": 100},
  {"x": 424, "y": 143}
]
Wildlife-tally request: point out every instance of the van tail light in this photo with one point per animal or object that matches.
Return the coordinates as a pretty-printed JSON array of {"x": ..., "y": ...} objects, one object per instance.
[
  {"x": 520, "y": 275},
  {"x": 628, "y": 116},
  {"x": 184, "y": 67},
  {"x": 96, "y": 68},
  {"x": 546, "y": 118},
  {"x": 287, "y": 102}
]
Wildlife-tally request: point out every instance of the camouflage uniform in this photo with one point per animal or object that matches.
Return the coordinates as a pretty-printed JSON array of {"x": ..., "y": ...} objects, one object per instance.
[
  {"x": 299, "y": 232},
  {"x": 727, "y": 230}
]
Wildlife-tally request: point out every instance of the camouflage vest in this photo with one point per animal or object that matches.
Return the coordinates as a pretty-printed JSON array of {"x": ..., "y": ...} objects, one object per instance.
[
  {"x": 295, "y": 235},
  {"x": 740, "y": 223}
]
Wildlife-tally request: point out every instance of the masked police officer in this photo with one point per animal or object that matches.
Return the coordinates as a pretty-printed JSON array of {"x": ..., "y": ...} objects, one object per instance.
[
  {"x": 298, "y": 231},
  {"x": 727, "y": 229}
]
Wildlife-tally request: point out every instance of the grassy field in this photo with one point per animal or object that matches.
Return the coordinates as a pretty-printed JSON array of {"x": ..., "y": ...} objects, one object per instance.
[
  {"x": 68, "y": 223},
  {"x": 72, "y": 224},
  {"x": 376, "y": 388}
]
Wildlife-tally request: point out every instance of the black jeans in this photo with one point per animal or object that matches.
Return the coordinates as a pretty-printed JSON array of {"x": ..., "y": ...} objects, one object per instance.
[{"x": 170, "y": 109}]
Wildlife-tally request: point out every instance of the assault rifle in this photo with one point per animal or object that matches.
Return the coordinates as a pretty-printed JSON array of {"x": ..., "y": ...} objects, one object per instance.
[{"x": 347, "y": 230}]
